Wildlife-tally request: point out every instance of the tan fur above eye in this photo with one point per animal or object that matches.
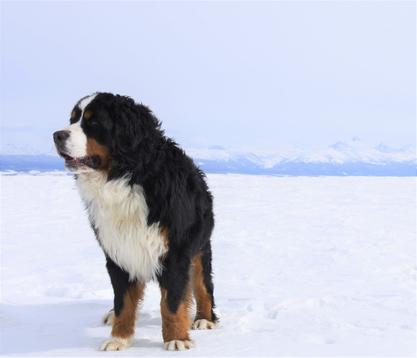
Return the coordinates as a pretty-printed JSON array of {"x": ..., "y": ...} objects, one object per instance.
[{"x": 88, "y": 114}]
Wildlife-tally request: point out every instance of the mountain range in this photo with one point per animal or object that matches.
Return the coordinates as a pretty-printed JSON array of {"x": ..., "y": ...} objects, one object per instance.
[{"x": 341, "y": 158}]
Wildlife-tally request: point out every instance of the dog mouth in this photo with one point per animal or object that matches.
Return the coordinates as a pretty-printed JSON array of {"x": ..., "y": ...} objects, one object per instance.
[{"x": 76, "y": 162}]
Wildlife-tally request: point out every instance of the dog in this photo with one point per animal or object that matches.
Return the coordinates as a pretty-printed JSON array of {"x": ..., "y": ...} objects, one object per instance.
[{"x": 151, "y": 211}]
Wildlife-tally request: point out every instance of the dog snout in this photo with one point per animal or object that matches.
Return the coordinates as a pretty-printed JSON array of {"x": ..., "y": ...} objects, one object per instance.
[{"x": 60, "y": 137}]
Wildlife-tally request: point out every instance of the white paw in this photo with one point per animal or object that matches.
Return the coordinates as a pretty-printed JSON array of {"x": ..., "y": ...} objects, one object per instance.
[
  {"x": 116, "y": 344},
  {"x": 109, "y": 318},
  {"x": 177, "y": 345},
  {"x": 203, "y": 324}
]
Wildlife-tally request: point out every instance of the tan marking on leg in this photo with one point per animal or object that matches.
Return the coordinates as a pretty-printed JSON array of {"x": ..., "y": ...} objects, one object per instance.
[
  {"x": 124, "y": 323},
  {"x": 175, "y": 326},
  {"x": 203, "y": 301}
]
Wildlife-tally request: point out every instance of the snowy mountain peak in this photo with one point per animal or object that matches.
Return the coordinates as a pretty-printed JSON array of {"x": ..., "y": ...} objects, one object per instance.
[
  {"x": 353, "y": 157},
  {"x": 338, "y": 152}
]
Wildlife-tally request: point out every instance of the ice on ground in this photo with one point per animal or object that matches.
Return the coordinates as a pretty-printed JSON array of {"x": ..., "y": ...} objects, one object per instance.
[{"x": 306, "y": 266}]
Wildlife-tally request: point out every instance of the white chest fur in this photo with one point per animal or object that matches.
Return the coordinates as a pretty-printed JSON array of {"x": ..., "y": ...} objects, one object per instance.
[{"x": 119, "y": 212}]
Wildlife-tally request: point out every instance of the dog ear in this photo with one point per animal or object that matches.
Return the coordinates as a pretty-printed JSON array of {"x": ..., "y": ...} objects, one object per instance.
[
  {"x": 135, "y": 133},
  {"x": 128, "y": 127}
]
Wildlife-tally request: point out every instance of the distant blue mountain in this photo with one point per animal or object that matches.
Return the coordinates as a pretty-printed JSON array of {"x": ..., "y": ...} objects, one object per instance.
[
  {"x": 26, "y": 163},
  {"x": 313, "y": 169},
  {"x": 241, "y": 164},
  {"x": 353, "y": 157}
]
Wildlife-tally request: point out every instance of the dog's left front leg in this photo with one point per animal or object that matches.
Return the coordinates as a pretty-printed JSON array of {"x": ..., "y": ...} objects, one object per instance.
[
  {"x": 176, "y": 299},
  {"x": 126, "y": 297}
]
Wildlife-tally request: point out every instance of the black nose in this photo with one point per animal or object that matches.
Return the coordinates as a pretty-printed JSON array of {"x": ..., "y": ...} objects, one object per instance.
[{"x": 60, "y": 137}]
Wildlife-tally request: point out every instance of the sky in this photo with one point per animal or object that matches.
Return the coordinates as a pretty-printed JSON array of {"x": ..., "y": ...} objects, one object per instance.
[{"x": 241, "y": 75}]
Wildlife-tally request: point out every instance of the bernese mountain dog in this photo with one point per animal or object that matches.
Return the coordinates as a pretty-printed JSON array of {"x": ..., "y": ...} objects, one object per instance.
[{"x": 151, "y": 212}]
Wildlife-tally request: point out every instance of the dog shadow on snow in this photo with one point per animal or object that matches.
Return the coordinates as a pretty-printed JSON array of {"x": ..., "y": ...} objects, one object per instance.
[{"x": 62, "y": 326}]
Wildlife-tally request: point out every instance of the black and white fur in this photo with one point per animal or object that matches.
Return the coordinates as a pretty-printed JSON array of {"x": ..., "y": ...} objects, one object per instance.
[{"x": 149, "y": 185}]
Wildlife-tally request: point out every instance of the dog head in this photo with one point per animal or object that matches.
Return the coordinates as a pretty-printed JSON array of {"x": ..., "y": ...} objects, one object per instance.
[{"x": 106, "y": 129}]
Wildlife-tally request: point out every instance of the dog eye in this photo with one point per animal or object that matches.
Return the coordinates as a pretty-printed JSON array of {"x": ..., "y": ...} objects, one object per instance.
[{"x": 92, "y": 122}]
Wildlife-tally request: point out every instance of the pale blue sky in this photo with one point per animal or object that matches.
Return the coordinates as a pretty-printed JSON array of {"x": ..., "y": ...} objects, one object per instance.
[{"x": 244, "y": 75}]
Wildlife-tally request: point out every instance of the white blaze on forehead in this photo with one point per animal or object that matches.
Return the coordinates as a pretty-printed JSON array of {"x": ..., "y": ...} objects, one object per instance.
[
  {"x": 85, "y": 102},
  {"x": 76, "y": 145}
]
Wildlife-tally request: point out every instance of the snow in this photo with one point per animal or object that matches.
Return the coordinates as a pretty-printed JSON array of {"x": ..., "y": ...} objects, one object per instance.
[{"x": 306, "y": 266}]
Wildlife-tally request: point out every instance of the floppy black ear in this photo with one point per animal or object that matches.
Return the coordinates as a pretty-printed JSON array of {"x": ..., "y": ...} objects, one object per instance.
[
  {"x": 136, "y": 132},
  {"x": 128, "y": 126}
]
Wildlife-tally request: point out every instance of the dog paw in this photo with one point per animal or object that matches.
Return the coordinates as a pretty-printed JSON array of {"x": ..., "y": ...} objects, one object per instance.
[
  {"x": 108, "y": 318},
  {"x": 203, "y": 324},
  {"x": 116, "y": 344},
  {"x": 177, "y": 345}
]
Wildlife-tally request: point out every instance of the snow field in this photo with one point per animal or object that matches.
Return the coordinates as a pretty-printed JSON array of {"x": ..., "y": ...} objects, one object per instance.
[{"x": 306, "y": 266}]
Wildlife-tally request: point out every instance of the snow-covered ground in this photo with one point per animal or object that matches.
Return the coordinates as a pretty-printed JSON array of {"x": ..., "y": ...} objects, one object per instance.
[{"x": 306, "y": 266}]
